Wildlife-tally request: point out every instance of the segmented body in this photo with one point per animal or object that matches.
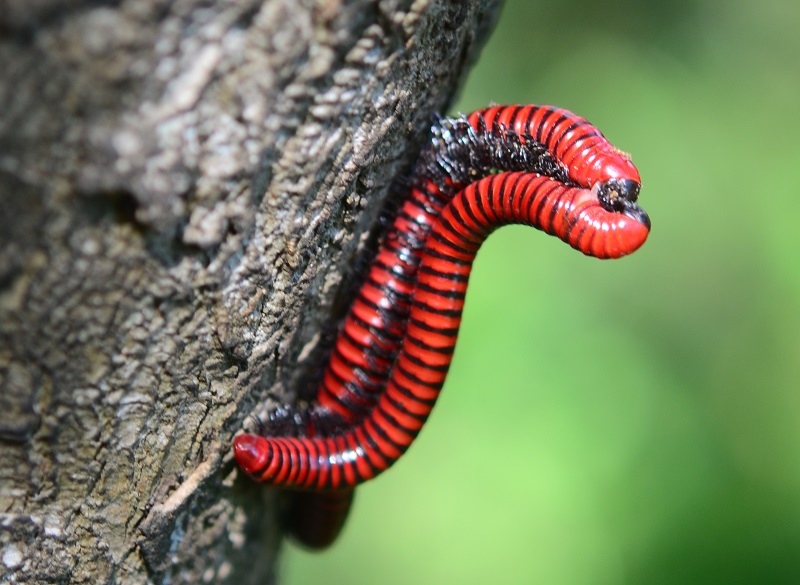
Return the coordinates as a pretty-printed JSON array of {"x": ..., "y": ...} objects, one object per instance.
[
  {"x": 536, "y": 139},
  {"x": 370, "y": 336},
  {"x": 349, "y": 438},
  {"x": 373, "y": 329},
  {"x": 369, "y": 447},
  {"x": 583, "y": 150}
]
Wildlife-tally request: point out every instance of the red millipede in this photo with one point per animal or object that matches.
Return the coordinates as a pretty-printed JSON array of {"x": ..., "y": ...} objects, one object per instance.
[
  {"x": 370, "y": 335},
  {"x": 367, "y": 448},
  {"x": 534, "y": 139},
  {"x": 589, "y": 158}
]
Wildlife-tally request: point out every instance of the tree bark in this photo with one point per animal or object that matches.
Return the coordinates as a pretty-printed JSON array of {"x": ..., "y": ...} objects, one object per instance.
[{"x": 184, "y": 187}]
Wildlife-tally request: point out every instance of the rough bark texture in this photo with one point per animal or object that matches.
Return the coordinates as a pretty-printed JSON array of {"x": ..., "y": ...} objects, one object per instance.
[{"x": 184, "y": 186}]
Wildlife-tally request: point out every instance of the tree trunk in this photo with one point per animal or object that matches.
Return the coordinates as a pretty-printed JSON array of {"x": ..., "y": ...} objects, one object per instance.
[{"x": 184, "y": 188}]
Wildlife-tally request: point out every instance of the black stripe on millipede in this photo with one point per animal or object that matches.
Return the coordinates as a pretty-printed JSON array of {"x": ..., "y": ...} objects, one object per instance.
[
  {"x": 326, "y": 453},
  {"x": 402, "y": 408},
  {"x": 395, "y": 271},
  {"x": 380, "y": 337},
  {"x": 470, "y": 212},
  {"x": 373, "y": 348},
  {"x": 453, "y": 276},
  {"x": 478, "y": 201},
  {"x": 562, "y": 116},
  {"x": 352, "y": 388},
  {"x": 570, "y": 128},
  {"x": 397, "y": 248},
  {"x": 347, "y": 361},
  {"x": 444, "y": 257},
  {"x": 415, "y": 235},
  {"x": 527, "y": 196},
  {"x": 422, "y": 305},
  {"x": 487, "y": 123},
  {"x": 555, "y": 207},
  {"x": 426, "y": 347},
  {"x": 542, "y": 193},
  {"x": 428, "y": 201},
  {"x": 494, "y": 195},
  {"x": 383, "y": 336},
  {"x": 509, "y": 195},
  {"x": 516, "y": 109},
  {"x": 416, "y": 379},
  {"x": 411, "y": 219},
  {"x": 572, "y": 223},
  {"x": 394, "y": 422},
  {"x": 474, "y": 234},
  {"x": 382, "y": 281},
  {"x": 376, "y": 349},
  {"x": 398, "y": 312},
  {"x": 448, "y": 294},
  {"x": 531, "y": 113},
  {"x": 540, "y": 125},
  {"x": 423, "y": 364},
  {"x": 375, "y": 448},
  {"x": 348, "y": 465},
  {"x": 390, "y": 420},
  {"x": 302, "y": 446},
  {"x": 456, "y": 247},
  {"x": 402, "y": 250},
  {"x": 545, "y": 198},
  {"x": 408, "y": 393},
  {"x": 545, "y": 121},
  {"x": 359, "y": 370},
  {"x": 448, "y": 331}
]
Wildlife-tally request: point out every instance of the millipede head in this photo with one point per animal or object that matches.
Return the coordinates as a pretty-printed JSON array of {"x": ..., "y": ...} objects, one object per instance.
[
  {"x": 620, "y": 195},
  {"x": 614, "y": 190}
]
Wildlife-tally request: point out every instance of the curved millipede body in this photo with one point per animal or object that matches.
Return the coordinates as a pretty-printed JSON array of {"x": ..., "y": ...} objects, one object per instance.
[
  {"x": 535, "y": 139},
  {"x": 590, "y": 159},
  {"x": 372, "y": 331},
  {"x": 370, "y": 446}
]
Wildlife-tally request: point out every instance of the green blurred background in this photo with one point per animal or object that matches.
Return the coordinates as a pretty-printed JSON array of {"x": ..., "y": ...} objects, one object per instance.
[{"x": 632, "y": 421}]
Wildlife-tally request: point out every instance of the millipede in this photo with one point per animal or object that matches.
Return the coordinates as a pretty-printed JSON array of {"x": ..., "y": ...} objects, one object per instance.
[{"x": 537, "y": 165}]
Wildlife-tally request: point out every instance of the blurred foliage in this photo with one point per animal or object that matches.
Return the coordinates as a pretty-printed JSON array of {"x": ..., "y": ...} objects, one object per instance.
[{"x": 632, "y": 421}]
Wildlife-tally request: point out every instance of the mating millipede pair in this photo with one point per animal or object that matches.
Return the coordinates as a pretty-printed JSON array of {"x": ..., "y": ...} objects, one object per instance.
[{"x": 534, "y": 165}]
